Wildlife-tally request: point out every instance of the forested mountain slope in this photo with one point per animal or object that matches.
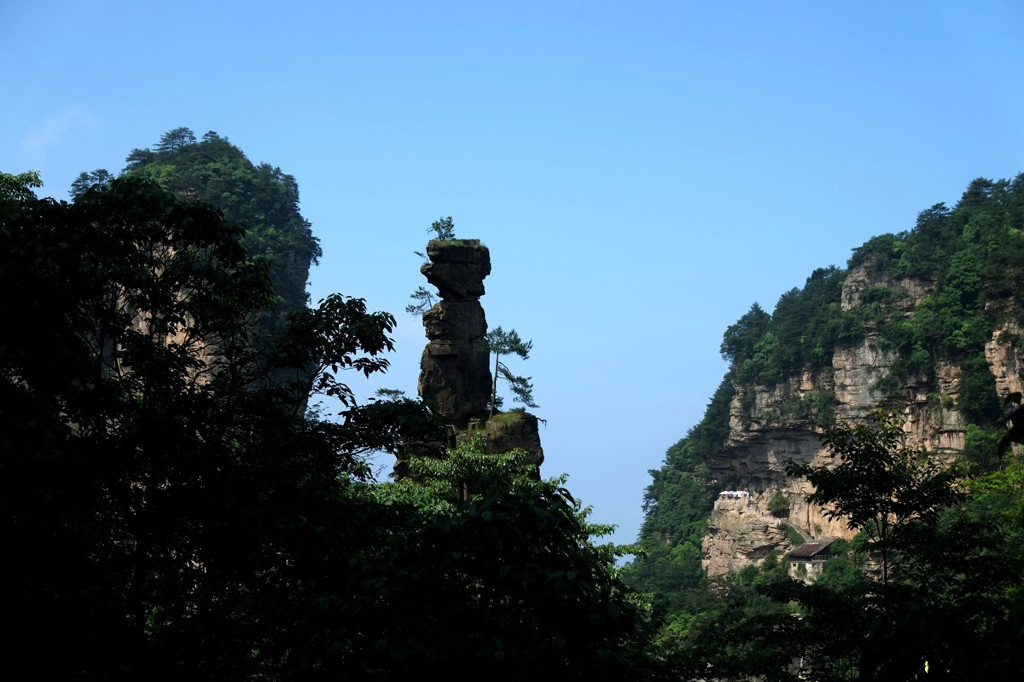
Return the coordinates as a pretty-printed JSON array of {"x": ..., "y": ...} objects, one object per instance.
[
  {"x": 867, "y": 421},
  {"x": 174, "y": 516},
  {"x": 260, "y": 197},
  {"x": 926, "y": 322}
]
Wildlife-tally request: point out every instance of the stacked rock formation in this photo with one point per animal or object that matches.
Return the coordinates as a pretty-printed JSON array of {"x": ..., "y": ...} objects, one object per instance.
[
  {"x": 455, "y": 378},
  {"x": 455, "y": 375}
]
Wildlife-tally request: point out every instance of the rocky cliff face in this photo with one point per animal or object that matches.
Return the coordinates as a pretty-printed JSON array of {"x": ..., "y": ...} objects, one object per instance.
[
  {"x": 455, "y": 376},
  {"x": 762, "y": 438},
  {"x": 740, "y": 532},
  {"x": 1004, "y": 358},
  {"x": 508, "y": 431}
]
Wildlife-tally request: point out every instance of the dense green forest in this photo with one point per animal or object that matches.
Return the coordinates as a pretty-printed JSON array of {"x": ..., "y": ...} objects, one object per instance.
[
  {"x": 954, "y": 598},
  {"x": 177, "y": 511},
  {"x": 260, "y": 197}
]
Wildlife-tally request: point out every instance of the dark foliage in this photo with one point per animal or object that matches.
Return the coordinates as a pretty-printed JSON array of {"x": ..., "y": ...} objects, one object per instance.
[
  {"x": 261, "y": 197},
  {"x": 176, "y": 513},
  {"x": 951, "y": 594}
]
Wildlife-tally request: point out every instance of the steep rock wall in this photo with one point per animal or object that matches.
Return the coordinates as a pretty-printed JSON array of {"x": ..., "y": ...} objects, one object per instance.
[
  {"x": 1004, "y": 357},
  {"x": 762, "y": 438}
]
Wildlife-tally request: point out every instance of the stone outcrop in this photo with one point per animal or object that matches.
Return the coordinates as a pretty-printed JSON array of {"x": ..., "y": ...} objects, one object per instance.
[
  {"x": 762, "y": 437},
  {"x": 509, "y": 431},
  {"x": 455, "y": 376},
  {"x": 1004, "y": 358},
  {"x": 909, "y": 293},
  {"x": 740, "y": 533},
  {"x": 455, "y": 379}
]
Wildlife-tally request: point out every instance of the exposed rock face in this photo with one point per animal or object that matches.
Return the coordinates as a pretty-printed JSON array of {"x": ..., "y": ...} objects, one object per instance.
[
  {"x": 910, "y": 292},
  {"x": 455, "y": 375},
  {"x": 762, "y": 437},
  {"x": 509, "y": 431},
  {"x": 740, "y": 533},
  {"x": 856, "y": 369},
  {"x": 457, "y": 268},
  {"x": 455, "y": 379},
  {"x": 1005, "y": 361}
]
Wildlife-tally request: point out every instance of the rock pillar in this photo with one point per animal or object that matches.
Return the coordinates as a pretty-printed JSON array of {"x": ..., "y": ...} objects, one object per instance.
[
  {"x": 455, "y": 374},
  {"x": 455, "y": 377}
]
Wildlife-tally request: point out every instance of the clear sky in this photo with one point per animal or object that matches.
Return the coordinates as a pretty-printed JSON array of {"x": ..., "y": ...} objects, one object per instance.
[{"x": 642, "y": 172}]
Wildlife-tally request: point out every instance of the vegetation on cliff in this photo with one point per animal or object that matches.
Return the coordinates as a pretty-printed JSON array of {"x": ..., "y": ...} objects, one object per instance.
[
  {"x": 970, "y": 262},
  {"x": 262, "y": 198},
  {"x": 501, "y": 343},
  {"x": 676, "y": 507},
  {"x": 933, "y": 295},
  {"x": 800, "y": 334},
  {"x": 177, "y": 512},
  {"x": 948, "y": 604},
  {"x": 423, "y": 299}
]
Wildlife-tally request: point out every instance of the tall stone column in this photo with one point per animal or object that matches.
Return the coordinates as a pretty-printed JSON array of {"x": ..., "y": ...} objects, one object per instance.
[
  {"x": 455, "y": 374},
  {"x": 455, "y": 377}
]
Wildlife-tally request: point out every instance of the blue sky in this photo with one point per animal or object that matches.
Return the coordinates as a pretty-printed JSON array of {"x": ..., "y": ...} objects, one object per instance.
[{"x": 642, "y": 172}]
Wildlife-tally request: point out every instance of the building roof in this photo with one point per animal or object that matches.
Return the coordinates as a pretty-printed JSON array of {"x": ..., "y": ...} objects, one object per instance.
[{"x": 811, "y": 549}]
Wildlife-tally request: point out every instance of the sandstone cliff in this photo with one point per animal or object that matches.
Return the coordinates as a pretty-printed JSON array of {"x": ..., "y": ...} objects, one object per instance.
[
  {"x": 765, "y": 432},
  {"x": 455, "y": 380}
]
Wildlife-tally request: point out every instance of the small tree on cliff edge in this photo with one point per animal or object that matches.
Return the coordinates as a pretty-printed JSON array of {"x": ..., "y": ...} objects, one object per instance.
[
  {"x": 499, "y": 342},
  {"x": 444, "y": 228}
]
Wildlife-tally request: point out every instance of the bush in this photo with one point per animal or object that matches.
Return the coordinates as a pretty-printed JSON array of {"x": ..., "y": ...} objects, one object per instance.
[{"x": 778, "y": 505}]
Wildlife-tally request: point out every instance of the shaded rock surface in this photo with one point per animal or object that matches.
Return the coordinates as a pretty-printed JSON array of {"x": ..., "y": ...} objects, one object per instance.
[
  {"x": 457, "y": 268},
  {"x": 455, "y": 376},
  {"x": 509, "y": 431},
  {"x": 740, "y": 533},
  {"x": 455, "y": 379}
]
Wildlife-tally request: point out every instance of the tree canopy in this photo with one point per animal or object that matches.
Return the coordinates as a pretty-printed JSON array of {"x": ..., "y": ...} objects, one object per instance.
[
  {"x": 879, "y": 484},
  {"x": 260, "y": 197},
  {"x": 178, "y": 513},
  {"x": 942, "y": 542},
  {"x": 20, "y": 186}
]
